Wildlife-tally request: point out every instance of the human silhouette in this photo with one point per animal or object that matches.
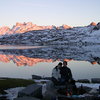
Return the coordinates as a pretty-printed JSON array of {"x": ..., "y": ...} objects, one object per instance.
[
  {"x": 56, "y": 76},
  {"x": 66, "y": 75}
]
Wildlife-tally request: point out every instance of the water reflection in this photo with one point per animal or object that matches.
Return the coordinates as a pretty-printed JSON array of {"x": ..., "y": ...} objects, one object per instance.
[
  {"x": 22, "y": 60},
  {"x": 31, "y": 56},
  {"x": 44, "y": 59}
]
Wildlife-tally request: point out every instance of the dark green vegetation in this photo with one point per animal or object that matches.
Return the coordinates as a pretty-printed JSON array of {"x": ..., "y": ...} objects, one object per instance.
[{"x": 6, "y": 83}]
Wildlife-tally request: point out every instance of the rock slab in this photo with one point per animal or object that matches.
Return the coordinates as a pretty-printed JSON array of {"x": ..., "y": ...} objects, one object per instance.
[
  {"x": 26, "y": 98},
  {"x": 95, "y": 80},
  {"x": 33, "y": 90}
]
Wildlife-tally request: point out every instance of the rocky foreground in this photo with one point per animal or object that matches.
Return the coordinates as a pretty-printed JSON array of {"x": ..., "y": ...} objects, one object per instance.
[{"x": 45, "y": 90}]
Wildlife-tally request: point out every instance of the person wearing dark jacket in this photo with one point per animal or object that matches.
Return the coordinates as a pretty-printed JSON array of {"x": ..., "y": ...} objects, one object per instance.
[
  {"x": 66, "y": 75},
  {"x": 67, "y": 79}
]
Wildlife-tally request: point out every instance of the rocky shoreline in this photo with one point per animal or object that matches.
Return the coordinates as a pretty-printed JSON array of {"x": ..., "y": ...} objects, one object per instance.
[{"x": 43, "y": 89}]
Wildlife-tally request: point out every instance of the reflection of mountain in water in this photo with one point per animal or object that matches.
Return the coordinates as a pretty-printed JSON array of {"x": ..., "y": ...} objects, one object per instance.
[
  {"x": 30, "y": 57},
  {"x": 22, "y": 60}
]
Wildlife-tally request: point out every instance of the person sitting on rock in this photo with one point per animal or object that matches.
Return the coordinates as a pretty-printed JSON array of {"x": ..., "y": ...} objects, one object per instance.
[
  {"x": 66, "y": 75},
  {"x": 56, "y": 74}
]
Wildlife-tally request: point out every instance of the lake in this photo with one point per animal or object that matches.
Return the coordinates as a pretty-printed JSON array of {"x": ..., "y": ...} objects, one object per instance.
[{"x": 24, "y": 61}]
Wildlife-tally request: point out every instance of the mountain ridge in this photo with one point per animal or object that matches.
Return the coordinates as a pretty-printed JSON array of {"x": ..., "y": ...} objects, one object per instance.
[
  {"x": 29, "y": 26},
  {"x": 54, "y": 36}
]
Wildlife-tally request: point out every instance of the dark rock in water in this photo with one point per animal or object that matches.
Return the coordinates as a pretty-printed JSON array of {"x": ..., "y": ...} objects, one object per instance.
[
  {"x": 36, "y": 77},
  {"x": 83, "y": 81},
  {"x": 33, "y": 90},
  {"x": 47, "y": 78},
  {"x": 39, "y": 77},
  {"x": 26, "y": 98},
  {"x": 95, "y": 80}
]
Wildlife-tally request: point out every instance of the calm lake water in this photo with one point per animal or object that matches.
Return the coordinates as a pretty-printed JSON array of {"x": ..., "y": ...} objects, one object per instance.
[{"x": 23, "y": 62}]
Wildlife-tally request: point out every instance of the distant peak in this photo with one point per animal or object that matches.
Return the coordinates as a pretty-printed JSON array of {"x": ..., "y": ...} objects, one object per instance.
[
  {"x": 18, "y": 24},
  {"x": 93, "y": 24},
  {"x": 4, "y": 29},
  {"x": 66, "y": 26}
]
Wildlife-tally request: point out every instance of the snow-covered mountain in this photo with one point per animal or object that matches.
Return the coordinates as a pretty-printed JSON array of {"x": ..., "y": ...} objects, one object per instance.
[
  {"x": 4, "y": 30},
  {"x": 55, "y": 36},
  {"x": 25, "y": 27}
]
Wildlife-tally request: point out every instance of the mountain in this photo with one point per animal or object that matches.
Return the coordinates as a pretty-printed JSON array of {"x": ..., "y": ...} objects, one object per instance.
[
  {"x": 25, "y": 27},
  {"x": 55, "y": 36},
  {"x": 4, "y": 30},
  {"x": 93, "y": 24}
]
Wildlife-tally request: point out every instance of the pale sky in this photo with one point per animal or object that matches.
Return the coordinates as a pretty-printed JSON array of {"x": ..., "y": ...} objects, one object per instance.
[{"x": 49, "y": 12}]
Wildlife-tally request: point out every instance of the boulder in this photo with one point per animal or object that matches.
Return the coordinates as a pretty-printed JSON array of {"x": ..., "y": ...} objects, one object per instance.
[
  {"x": 33, "y": 90},
  {"x": 36, "y": 77},
  {"x": 49, "y": 85},
  {"x": 93, "y": 91},
  {"x": 95, "y": 80},
  {"x": 83, "y": 81},
  {"x": 26, "y": 98},
  {"x": 50, "y": 93},
  {"x": 47, "y": 78}
]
